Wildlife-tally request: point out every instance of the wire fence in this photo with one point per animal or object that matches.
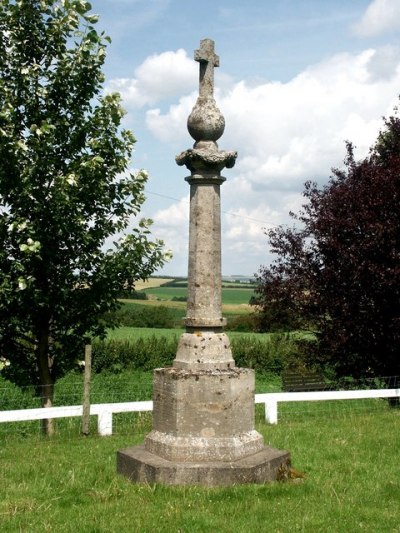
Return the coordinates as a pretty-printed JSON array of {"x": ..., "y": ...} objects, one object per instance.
[
  {"x": 105, "y": 388},
  {"x": 114, "y": 388}
]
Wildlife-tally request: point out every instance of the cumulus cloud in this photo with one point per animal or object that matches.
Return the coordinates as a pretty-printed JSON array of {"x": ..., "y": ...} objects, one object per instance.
[
  {"x": 289, "y": 132},
  {"x": 159, "y": 77},
  {"x": 285, "y": 133},
  {"x": 172, "y": 226},
  {"x": 381, "y": 16}
]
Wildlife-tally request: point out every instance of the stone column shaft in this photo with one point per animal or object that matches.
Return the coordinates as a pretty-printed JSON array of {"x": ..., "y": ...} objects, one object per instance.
[{"x": 204, "y": 267}]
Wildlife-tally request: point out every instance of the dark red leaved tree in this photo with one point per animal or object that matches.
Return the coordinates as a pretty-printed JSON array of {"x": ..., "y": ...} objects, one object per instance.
[{"x": 340, "y": 271}]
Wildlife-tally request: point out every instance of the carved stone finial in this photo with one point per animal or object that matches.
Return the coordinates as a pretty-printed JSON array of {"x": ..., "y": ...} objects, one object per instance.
[{"x": 205, "y": 122}]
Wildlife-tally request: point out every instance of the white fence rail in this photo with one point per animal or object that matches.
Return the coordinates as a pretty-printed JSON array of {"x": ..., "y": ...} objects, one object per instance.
[
  {"x": 271, "y": 399},
  {"x": 105, "y": 411}
]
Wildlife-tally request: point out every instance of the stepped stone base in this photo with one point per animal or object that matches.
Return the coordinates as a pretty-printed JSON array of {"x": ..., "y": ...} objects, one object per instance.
[
  {"x": 141, "y": 466},
  {"x": 203, "y": 432}
]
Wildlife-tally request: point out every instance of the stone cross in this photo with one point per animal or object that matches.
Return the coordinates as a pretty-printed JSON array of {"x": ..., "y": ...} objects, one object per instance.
[
  {"x": 207, "y": 58},
  {"x": 203, "y": 411}
]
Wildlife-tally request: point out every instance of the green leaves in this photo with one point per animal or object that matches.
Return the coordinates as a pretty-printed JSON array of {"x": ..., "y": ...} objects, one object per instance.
[{"x": 65, "y": 186}]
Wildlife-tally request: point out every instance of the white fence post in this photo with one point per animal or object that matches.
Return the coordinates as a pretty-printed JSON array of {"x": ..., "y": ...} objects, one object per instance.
[
  {"x": 104, "y": 423},
  {"x": 271, "y": 411}
]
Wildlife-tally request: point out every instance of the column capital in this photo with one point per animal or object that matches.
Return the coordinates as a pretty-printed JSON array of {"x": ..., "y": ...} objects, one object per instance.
[{"x": 207, "y": 160}]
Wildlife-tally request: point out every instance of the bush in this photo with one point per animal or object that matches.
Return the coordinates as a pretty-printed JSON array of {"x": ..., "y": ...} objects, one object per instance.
[
  {"x": 140, "y": 316},
  {"x": 143, "y": 353},
  {"x": 126, "y": 386},
  {"x": 337, "y": 268},
  {"x": 245, "y": 323},
  {"x": 132, "y": 295},
  {"x": 270, "y": 354},
  {"x": 14, "y": 397},
  {"x": 267, "y": 354}
]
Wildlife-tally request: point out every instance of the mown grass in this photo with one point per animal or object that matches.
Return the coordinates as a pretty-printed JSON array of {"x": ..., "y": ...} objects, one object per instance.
[
  {"x": 70, "y": 485},
  {"x": 130, "y": 334},
  {"x": 348, "y": 451}
]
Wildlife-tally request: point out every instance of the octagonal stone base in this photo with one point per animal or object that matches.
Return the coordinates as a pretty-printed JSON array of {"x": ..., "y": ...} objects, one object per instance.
[
  {"x": 203, "y": 432},
  {"x": 141, "y": 466},
  {"x": 203, "y": 415}
]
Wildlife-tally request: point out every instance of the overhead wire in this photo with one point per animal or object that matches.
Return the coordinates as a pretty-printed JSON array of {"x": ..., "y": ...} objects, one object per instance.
[{"x": 269, "y": 224}]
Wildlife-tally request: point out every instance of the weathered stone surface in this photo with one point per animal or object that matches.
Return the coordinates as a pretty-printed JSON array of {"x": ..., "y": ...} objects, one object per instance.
[
  {"x": 205, "y": 122},
  {"x": 204, "y": 268},
  {"x": 204, "y": 350},
  {"x": 206, "y": 159},
  {"x": 141, "y": 466},
  {"x": 202, "y": 415},
  {"x": 208, "y": 59}
]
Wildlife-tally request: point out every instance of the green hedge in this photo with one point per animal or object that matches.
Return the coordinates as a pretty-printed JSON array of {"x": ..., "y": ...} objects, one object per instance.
[
  {"x": 142, "y": 316},
  {"x": 265, "y": 354},
  {"x": 144, "y": 353}
]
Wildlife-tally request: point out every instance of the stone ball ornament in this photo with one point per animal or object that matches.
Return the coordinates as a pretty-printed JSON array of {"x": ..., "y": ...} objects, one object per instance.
[{"x": 206, "y": 122}]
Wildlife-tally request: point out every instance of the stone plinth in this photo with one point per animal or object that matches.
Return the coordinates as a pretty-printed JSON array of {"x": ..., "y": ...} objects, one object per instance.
[
  {"x": 203, "y": 414},
  {"x": 204, "y": 350},
  {"x": 203, "y": 432},
  {"x": 139, "y": 465}
]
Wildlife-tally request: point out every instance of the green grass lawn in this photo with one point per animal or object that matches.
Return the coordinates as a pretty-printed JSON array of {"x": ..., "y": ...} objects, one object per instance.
[
  {"x": 348, "y": 451},
  {"x": 352, "y": 483},
  {"x": 127, "y": 334}
]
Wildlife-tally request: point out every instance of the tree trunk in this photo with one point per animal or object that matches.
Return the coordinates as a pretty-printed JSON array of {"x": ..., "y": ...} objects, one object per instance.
[{"x": 46, "y": 379}]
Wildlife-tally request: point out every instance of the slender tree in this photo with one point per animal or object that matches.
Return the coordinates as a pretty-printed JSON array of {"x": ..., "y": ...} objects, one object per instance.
[
  {"x": 338, "y": 268},
  {"x": 64, "y": 189}
]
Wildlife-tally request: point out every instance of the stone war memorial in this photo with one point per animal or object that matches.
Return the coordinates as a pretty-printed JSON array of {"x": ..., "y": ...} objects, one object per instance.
[{"x": 203, "y": 415}]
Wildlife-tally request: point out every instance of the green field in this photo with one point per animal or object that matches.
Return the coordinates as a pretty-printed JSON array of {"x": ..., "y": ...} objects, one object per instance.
[
  {"x": 129, "y": 334},
  {"x": 230, "y": 296},
  {"x": 350, "y": 462}
]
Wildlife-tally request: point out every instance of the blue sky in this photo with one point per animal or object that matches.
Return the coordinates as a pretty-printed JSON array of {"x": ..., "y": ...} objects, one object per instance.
[{"x": 296, "y": 79}]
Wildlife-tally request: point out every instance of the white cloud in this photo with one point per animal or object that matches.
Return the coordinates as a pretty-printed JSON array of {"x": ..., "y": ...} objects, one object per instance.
[
  {"x": 380, "y": 17},
  {"x": 384, "y": 63},
  {"x": 172, "y": 226},
  {"x": 171, "y": 127},
  {"x": 285, "y": 133},
  {"x": 159, "y": 77},
  {"x": 289, "y": 132}
]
